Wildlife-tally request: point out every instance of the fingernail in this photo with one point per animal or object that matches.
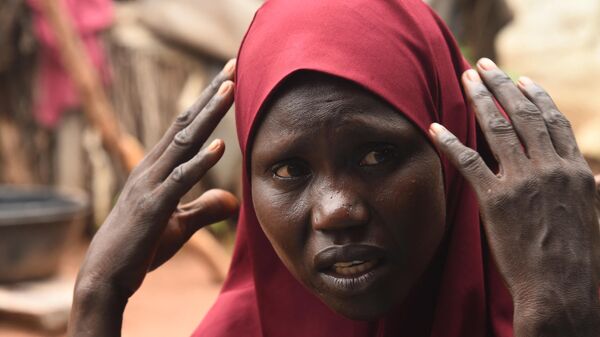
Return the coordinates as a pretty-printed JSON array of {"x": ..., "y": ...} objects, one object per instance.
[
  {"x": 487, "y": 64},
  {"x": 224, "y": 88},
  {"x": 472, "y": 75},
  {"x": 525, "y": 81},
  {"x": 230, "y": 66},
  {"x": 436, "y": 128},
  {"x": 214, "y": 145}
]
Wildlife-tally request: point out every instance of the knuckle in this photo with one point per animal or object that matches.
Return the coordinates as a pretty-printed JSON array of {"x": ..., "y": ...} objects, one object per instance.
[
  {"x": 469, "y": 159},
  {"x": 528, "y": 186},
  {"x": 500, "y": 125},
  {"x": 145, "y": 203},
  {"x": 541, "y": 96},
  {"x": 449, "y": 141},
  {"x": 527, "y": 111},
  {"x": 183, "y": 119},
  {"x": 556, "y": 119},
  {"x": 586, "y": 177},
  {"x": 554, "y": 175},
  {"x": 183, "y": 138},
  {"x": 579, "y": 176},
  {"x": 481, "y": 94},
  {"x": 178, "y": 174}
]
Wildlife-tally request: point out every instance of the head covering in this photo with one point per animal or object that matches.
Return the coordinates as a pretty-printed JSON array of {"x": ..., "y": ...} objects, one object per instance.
[{"x": 401, "y": 51}]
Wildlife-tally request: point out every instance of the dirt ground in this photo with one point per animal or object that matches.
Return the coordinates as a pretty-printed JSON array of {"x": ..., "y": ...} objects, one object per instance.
[{"x": 171, "y": 302}]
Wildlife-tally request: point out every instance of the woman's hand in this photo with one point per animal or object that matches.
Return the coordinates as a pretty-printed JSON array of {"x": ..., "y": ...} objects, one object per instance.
[
  {"x": 147, "y": 226},
  {"x": 538, "y": 210}
]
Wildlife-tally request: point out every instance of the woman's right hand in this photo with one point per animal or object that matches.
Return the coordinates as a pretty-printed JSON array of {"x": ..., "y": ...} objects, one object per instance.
[{"x": 147, "y": 226}]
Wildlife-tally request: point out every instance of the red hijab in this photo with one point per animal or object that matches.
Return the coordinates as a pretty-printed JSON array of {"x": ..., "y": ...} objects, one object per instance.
[{"x": 401, "y": 51}]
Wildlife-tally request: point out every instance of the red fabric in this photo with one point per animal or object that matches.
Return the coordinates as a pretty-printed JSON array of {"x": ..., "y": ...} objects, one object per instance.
[
  {"x": 55, "y": 90},
  {"x": 400, "y": 50}
]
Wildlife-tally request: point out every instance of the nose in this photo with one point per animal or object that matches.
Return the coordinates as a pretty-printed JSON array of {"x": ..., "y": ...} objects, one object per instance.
[{"x": 337, "y": 210}]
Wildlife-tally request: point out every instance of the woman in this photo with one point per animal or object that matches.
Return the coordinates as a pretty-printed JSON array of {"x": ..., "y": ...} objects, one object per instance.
[{"x": 356, "y": 219}]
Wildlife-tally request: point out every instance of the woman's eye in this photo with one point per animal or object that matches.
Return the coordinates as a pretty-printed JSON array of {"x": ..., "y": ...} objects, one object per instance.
[
  {"x": 377, "y": 156},
  {"x": 291, "y": 170}
]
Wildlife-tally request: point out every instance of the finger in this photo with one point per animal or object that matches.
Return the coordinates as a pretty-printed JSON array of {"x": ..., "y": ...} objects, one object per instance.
[
  {"x": 558, "y": 125},
  {"x": 185, "y": 118},
  {"x": 466, "y": 160},
  {"x": 211, "y": 207},
  {"x": 188, "y": 141},
  {"x": 525, "y": 116},
  {"x": 498, "y": 131},
  {"x": 186, "y": 175}
]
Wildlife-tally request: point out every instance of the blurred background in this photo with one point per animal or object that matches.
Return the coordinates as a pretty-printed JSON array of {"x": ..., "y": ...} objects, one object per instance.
[{"x": 86, "y": 86}]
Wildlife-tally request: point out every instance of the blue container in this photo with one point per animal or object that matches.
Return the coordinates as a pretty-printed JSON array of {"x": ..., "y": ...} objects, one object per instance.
[{"x": 35, "y": 225}]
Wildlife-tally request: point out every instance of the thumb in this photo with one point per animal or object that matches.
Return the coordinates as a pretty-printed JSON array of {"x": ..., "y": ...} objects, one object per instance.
[{"x": 211, "y": 207}]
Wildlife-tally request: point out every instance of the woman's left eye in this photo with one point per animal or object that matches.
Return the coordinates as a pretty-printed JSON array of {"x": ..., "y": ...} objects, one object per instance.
[{"x": 377, "y": 156}]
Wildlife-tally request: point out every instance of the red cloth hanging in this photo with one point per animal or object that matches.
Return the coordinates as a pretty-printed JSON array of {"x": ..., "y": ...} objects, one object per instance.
[{"x": 55, "y": 91}]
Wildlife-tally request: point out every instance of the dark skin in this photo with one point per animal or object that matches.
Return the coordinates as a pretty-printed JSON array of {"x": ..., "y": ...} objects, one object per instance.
[
  {"x": 548, "y": 258},
  {"x": 316, "y": 176}
]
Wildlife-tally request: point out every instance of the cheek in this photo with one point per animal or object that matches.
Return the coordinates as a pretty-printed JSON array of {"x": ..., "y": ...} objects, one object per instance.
[
  {"x": 283, "y": 218},
  {"x": 414, "y": 205}
]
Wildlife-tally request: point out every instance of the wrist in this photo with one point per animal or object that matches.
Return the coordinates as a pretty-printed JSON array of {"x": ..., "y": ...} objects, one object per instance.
[
  {"x": 551, "y": 311},
  {"x": 97, "y": 310},
  {"x": 97, "y": 295}
]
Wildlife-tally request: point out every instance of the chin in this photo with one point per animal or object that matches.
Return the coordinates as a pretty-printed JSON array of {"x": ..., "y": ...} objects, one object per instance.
[
  {"x": 366, "y": 304},
  {"x": 361, "y": 309},
  {"x": 367, "y": 294}
]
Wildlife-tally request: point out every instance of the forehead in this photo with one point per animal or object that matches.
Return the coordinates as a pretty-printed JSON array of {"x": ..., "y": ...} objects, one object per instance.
[{"x": 310, "y": 101}]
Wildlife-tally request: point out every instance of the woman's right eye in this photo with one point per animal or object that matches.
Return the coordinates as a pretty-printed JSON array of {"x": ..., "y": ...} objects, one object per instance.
[{"x": 291, "y": 170}]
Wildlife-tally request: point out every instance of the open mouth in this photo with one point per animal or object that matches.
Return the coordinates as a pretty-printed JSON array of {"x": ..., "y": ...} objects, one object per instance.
[{"x": 350, "y": 270}]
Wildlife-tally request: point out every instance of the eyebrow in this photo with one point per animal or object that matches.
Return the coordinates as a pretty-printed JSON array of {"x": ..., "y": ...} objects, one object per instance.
[{"x": 298, "y": 140}]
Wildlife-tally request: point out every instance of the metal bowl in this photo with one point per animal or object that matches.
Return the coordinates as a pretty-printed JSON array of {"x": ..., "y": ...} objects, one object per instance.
[{"x": 35, "y": 225}]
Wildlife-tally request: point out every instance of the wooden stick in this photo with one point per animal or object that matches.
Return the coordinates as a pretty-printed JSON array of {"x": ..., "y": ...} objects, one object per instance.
[
  {"x": 99, "y": 112},
  {"x": 15, "y": 168}
]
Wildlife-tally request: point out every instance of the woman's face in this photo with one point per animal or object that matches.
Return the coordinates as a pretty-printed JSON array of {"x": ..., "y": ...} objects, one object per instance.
[{"x": 349, "y": 193}]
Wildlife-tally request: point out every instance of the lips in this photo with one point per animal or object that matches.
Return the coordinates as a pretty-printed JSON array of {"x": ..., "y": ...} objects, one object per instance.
[
  {"x": 349, "y": 270},
  {"x": 348, "y": 260}
]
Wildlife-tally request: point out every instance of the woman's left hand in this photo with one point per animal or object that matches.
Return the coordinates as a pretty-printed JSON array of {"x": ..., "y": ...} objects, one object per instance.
[{"x": 538, "y": 210}]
